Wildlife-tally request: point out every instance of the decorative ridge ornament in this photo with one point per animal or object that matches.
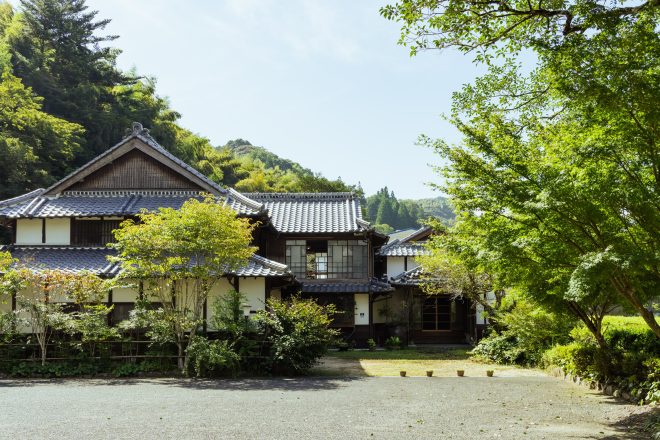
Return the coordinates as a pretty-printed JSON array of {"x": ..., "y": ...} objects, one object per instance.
[{"x": 137, "y": 130}]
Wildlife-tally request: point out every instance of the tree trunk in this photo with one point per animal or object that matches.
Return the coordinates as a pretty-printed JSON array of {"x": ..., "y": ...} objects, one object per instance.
[
  {"x": 594, "y": 327},
  {"x": 650, "y": 320},
  {"x": 180, "y": 361},
  {"x": 628, "y": 292}
]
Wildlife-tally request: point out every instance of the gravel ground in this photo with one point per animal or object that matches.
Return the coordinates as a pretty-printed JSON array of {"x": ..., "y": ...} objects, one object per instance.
[{"x": 532, "y": 407}]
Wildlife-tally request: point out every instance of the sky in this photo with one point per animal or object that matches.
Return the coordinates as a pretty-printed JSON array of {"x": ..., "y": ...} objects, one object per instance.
[{"x": 321, "y": 82}]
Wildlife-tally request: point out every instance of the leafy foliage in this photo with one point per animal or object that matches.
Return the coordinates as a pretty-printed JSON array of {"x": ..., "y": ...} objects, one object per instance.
[
  {"x": 179, "y": 255},
  {"x": 632, "y": 362},
  {"x": 212, "y": 358},
  {"x": 267, "y": 172},
  {"x": 526, "y": 332},
  {"x": 299, "y": 333}
]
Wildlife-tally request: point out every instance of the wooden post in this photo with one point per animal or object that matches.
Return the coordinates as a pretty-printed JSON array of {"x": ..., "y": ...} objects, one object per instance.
[
  {"x": 109, "y": 317},
  {"x": 371, "y": 315}
]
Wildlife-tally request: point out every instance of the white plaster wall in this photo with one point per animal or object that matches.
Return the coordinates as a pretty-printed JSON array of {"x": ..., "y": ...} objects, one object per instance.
[
  {"x": 28, "y": 231},
  {"x": 58, "y": 231},
  {"x": 124, "y": 294},
  {"x": 361, "y": 309},
  {"x": 219, "y": 289},
  {"x": 394, "y": 266},
  {"x": 412, "y": 263},
  {"x": 254, "y": 290}
]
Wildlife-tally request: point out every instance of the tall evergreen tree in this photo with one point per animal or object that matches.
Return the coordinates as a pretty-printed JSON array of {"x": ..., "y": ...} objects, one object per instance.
[{"x": 60, "y": 57}]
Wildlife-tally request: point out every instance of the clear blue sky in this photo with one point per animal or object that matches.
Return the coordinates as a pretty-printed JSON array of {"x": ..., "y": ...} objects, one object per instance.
[{"x": 320, "y": 82}]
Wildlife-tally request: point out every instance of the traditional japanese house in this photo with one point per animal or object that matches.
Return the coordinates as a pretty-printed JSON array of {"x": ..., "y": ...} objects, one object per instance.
[
  {"x": 409, "y": 312},
  {"x": 317, "y": 245}
]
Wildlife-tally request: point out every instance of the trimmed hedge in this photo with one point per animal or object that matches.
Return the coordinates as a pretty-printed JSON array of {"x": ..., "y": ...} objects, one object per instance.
[{"x": 632, "y": 363}]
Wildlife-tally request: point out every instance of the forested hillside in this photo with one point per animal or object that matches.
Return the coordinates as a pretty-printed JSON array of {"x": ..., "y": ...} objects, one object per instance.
[
  {"x": 63, "y": 100},
  {"x": 388, "y": 213},
  {"x": 266, "y": 171}
]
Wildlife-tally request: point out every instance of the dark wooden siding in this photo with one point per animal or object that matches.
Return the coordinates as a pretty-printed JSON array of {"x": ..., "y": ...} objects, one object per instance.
[
  {"x": 134, "y": 170},
  {"x": 344, "y": 303}
]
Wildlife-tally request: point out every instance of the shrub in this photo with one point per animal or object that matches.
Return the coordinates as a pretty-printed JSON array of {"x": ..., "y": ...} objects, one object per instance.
[
  {"x": 631, "y": 363},
  {"x": 371, "y": 344},
  {"x": 232, "y": 325},
  {"x": 212, "y": 358},
  {"x": 393, "y": 343},
  {"x": 499, "y": 348},
  {"x": 535, "y": 329},
  {"x": 54, "y": 369},
  {"x": 298, "y": 332},
  {"x": 134, "y": 369},
  {"x": 528, "y": 330}
]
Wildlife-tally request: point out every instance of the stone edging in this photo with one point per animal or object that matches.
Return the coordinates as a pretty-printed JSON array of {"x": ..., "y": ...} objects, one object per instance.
[{"x": 602, "y": 387}]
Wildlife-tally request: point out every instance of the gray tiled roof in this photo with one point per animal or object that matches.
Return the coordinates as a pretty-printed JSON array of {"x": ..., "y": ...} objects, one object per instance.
[
  {"x": 96, "y": 203},
  {"x": 94, "y": 259},
  {"x": 398, "y": 249},
  {"x": 68, "y": 259},
  {"x": 372, "y": 285},
  {"x": 408, "y": 278},
  {"x": 313, "y": 212}
]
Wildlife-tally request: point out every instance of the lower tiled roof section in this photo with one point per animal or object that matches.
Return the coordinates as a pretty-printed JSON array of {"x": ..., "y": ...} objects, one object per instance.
[
  {"x": 68, "y": 259},
  {"x": 259, "y": 266},
  {"x": 372, "y": 285},
  {"x": 412, "y": 277},
  {"x": 397, "y": 249},
  {"x": 95, "y": 259},
  {"x": 95, "y": 203}
]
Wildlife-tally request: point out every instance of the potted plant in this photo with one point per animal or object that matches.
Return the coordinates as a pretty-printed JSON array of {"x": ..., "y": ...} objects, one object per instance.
[
  {"x": 429, "y": 373},
  {"x": 489, "y": 373},
  {"x": 402, "y": 373},
  {"x": 460, "y": 373},
  {"x": 371, "y": 344}
]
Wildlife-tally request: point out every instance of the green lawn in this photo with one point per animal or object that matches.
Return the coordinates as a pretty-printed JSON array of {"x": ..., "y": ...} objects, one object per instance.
[
  {"x": 408, "y": 354},
  {"x": 415, "y": 362}
]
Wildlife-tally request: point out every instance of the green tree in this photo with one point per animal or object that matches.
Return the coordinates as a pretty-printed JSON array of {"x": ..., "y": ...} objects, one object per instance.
[
  {"x": 35, "y": 146},
  {"x": 180, "y": 255},
  {"x": 40, "y": 296},
  {"x": 557, "y": 175}
]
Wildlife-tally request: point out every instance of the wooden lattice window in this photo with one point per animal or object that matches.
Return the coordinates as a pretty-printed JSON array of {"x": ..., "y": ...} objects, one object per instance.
[{"x": 436, "y": 313}]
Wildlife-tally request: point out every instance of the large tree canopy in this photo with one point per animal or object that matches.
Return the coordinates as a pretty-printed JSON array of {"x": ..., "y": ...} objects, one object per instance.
[
  {"x": 557, "y": 179},
  {"x": 508, "y": 26}
]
